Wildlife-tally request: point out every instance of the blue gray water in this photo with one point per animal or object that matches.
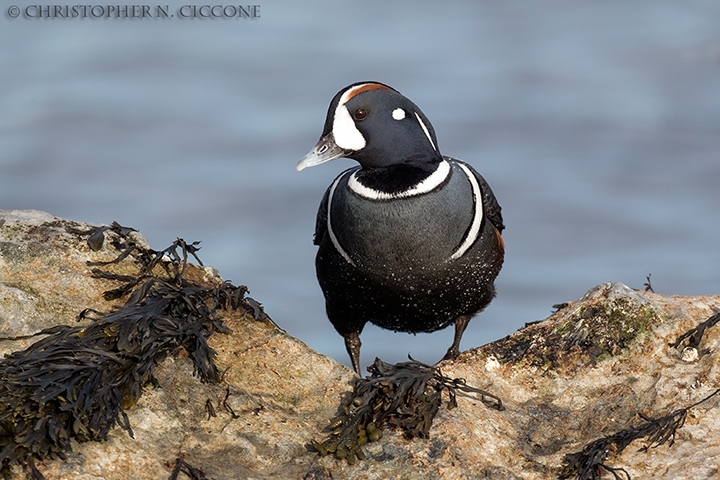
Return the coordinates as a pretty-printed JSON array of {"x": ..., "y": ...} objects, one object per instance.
[{"x": 596, "y": 123}]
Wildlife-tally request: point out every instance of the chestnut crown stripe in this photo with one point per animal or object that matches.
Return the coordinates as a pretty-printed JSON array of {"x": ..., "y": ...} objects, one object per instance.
[{"x": 358, "y": 89}]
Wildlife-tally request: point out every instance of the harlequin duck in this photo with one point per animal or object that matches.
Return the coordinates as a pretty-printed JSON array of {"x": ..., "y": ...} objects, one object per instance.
[{"x": 409, "y": 240}]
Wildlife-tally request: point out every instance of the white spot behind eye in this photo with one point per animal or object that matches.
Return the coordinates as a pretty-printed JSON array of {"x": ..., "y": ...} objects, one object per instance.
[
  {"x": 346, "y": 134},
  {"x": 398, "y": 114}
]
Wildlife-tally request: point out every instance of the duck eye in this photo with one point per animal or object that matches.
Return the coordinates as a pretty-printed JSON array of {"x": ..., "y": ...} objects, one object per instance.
[{"x": 360, "y": 114}]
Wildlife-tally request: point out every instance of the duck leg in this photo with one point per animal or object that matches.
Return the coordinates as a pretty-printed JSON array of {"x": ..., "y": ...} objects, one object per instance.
[
  {"x": 352, "y": 343},
  {"x": 461, "y": 324}
]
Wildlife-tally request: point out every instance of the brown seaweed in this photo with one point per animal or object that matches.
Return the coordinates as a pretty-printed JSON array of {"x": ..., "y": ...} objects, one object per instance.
[
  {"x": 648, "y": 284},
  {"x": 694, "y": 335},
  {"x": 77, "y": 381},
  {"x": 96, "y": 236},
  {"x": 181, "y": 466},
  {"x": 405, "y": 396},
  {"x": 589, "y": 463}
]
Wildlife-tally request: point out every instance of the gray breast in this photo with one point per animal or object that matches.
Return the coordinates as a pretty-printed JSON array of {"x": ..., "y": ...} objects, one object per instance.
[{"x": 415, "y": 232}]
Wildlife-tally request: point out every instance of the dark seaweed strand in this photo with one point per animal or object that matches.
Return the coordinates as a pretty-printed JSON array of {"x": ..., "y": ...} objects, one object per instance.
[
  {"x": 77, "y": 382},
  {"x": 648, "y": 284},
  {"x": 181, "y": 466},
  {"x": 589, "y": 463},
  {"x": 146, "y": 258},
  {"x": 406, "y": 396},
  {"x": 694, "y": 335}
]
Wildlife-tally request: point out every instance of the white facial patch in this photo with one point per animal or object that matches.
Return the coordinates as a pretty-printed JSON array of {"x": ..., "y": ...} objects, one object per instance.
[
  {"x": 398, "y": 114},
  {"x": 427, "y": 133},
  {"x": 346, "y": 134}
]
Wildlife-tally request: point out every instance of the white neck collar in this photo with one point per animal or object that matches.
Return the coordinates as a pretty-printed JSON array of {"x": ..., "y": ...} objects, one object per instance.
[{"x": 427, "y": 185}]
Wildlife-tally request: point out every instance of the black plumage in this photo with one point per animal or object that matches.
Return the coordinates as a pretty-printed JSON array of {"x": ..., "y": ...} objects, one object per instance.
[{"x": 410, "y": 240}]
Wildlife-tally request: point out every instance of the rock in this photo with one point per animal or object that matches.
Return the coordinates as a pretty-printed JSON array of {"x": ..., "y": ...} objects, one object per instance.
[{"x": 585, "y": 373}]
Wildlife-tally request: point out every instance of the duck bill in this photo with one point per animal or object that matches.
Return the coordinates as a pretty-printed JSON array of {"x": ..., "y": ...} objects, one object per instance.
[{"x": 325, "y": 150}]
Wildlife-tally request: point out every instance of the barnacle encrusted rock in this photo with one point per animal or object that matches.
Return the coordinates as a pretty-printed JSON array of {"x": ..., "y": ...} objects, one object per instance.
[{"x": 599, "y": 369}]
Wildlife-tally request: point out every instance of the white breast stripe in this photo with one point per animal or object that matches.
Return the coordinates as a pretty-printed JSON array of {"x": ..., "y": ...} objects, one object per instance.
[
  {"x": 427, "y": 185},
  {"x": 477, "y": 218},
  {"x": 427, "y": 134},
  {"x": 333, "y": 238}
]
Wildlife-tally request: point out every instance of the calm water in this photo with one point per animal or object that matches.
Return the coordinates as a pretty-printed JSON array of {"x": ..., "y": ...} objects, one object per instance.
[{"x": 596, "y": 123}]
